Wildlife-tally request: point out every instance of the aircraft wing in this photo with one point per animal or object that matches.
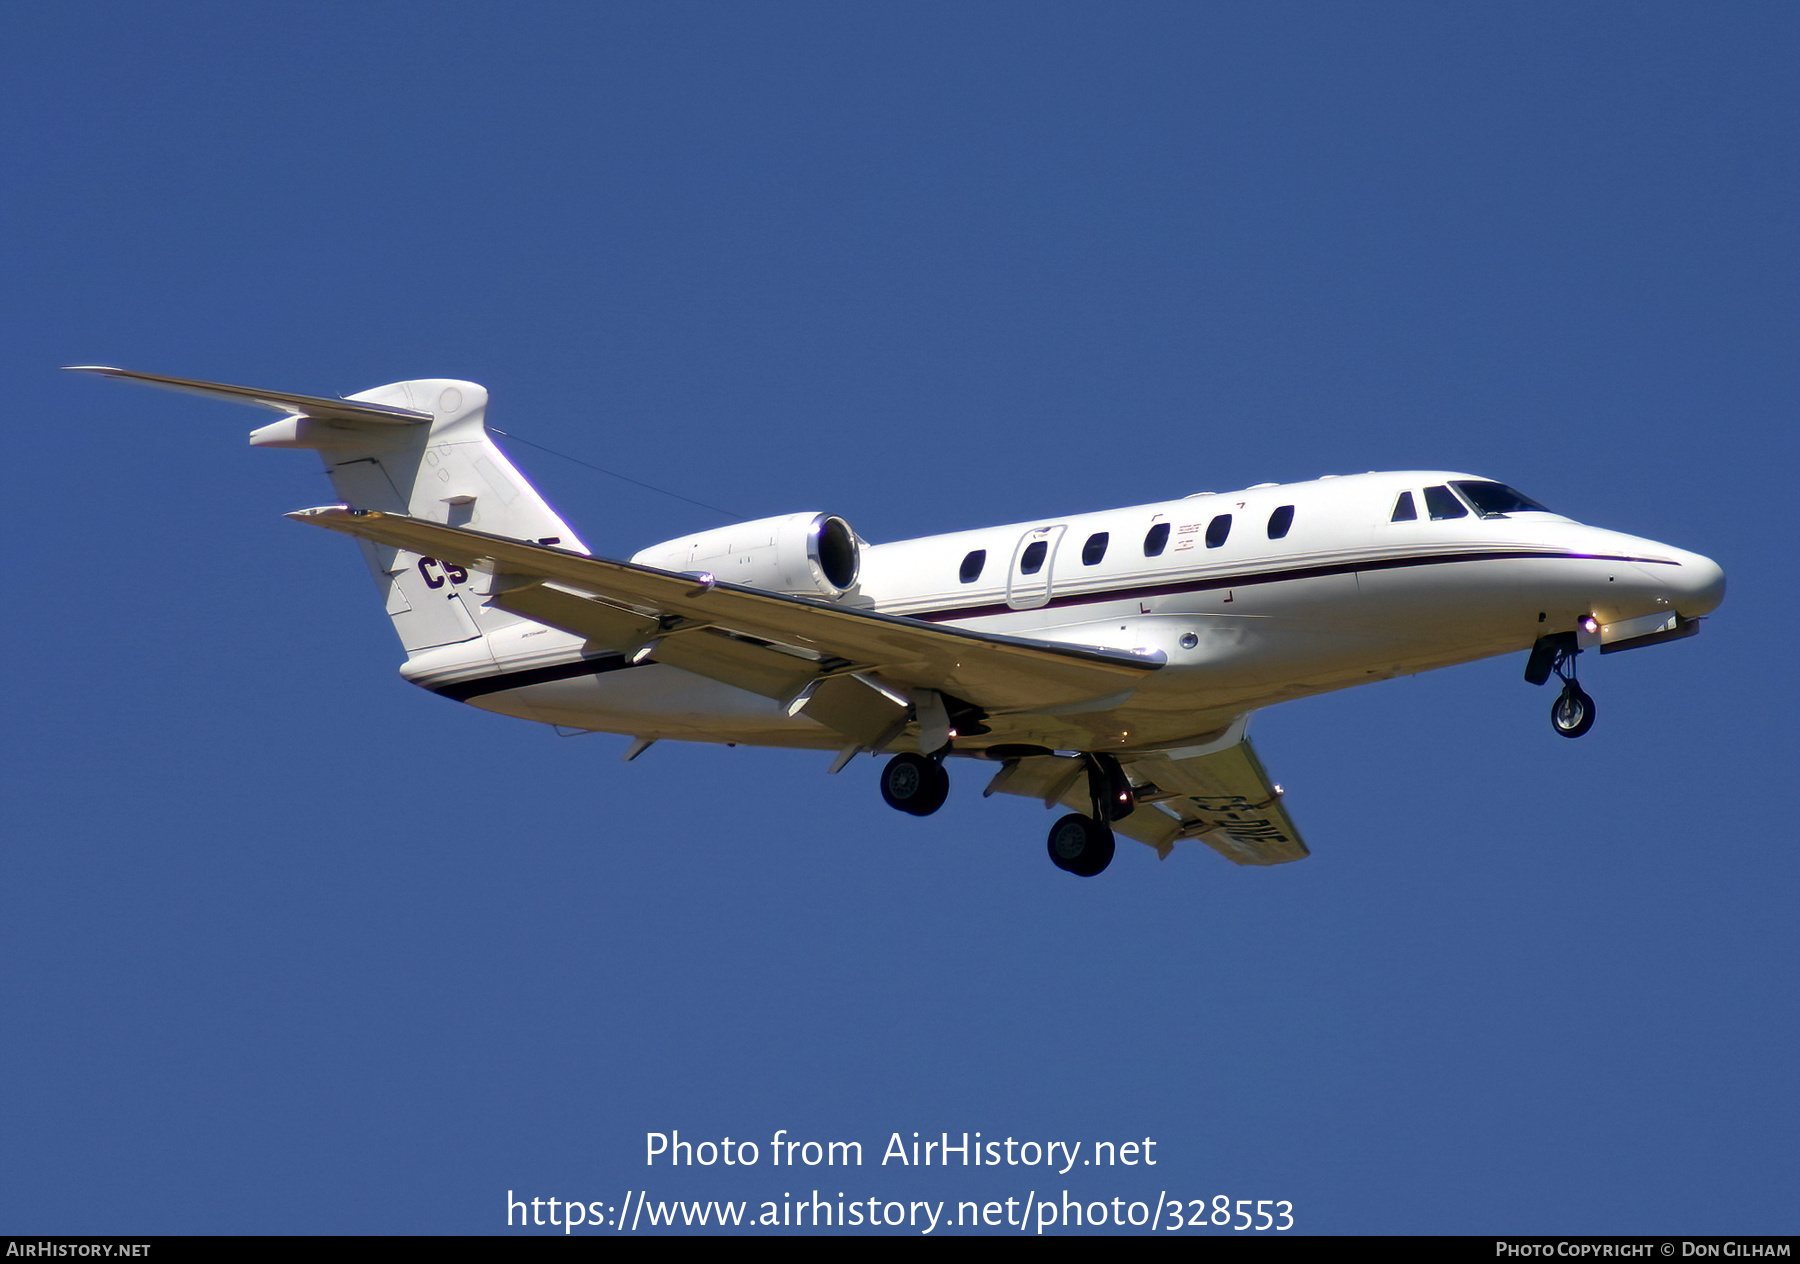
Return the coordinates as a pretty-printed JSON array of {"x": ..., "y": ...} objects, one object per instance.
[
  {"x": 853, "y": 670},
  {"x": 1218, "y": 793}
]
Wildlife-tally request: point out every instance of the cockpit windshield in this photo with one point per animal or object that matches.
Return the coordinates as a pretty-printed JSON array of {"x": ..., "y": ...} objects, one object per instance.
[{"x": 1496, "y": 500}]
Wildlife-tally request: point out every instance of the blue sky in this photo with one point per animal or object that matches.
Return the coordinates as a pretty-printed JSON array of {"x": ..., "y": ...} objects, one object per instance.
[{"x": 291, "y": 946}]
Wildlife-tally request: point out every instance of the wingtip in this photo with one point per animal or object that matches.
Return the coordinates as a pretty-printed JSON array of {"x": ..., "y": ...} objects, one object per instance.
[{"x": 320, "y": 511}]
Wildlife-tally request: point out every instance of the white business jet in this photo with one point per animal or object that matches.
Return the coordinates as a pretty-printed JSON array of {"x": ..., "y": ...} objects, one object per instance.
[{"x": 1104, "y": 661}]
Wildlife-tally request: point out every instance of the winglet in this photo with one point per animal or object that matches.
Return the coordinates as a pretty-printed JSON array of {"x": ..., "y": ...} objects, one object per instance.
[{"x": 339, "y": 410}]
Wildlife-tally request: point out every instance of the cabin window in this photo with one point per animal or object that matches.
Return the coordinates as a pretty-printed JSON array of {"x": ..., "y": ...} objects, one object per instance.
[
  {"x": 1094, "y": 549},
  {"x": 972, "y": 564},
  {"x": 1496, "y": 500},
  {"x": 1157, "y": 540},
  {"x": 1280, "y": 521},
  {"x": 1032, "y": 560},
  {"x": 1217, "y": 530},
  {"x": 1403, "y": 509},
  {"x": 1441, "y": 503}
]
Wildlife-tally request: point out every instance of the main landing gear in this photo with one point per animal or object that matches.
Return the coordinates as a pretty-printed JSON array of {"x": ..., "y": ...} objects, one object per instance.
[
  {"x": 1079, "y": 844},
  {"x": 1572, "y": 714},
  {"x": 916, "y": 783},
  {"x": 1083, "y": 845}
]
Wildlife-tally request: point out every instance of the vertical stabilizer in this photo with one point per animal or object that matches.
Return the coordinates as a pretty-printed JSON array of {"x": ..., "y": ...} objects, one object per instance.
[
  {"x": 416, "y": 448},
  {"x": 448, "y": 470}
]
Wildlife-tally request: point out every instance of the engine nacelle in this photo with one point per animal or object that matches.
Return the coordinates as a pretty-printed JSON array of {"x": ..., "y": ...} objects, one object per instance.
[{"x": 803, "y": 554}]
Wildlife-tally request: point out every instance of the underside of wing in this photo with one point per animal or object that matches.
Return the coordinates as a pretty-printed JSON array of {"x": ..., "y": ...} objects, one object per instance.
[
  {"x": 1217, "y": 793},
  {"x": 855, "y": 670}
]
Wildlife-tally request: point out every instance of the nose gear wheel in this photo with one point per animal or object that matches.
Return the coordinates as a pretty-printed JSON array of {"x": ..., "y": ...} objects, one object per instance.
[{"x": 1572, "y": 714}]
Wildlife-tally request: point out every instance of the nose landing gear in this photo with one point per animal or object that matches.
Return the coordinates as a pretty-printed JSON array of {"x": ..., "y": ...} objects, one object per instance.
[{"x": 1572, "y": 714}]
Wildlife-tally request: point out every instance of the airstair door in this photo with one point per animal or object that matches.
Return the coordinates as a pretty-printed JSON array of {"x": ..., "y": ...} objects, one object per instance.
[{"x": 1028, "y": 582}]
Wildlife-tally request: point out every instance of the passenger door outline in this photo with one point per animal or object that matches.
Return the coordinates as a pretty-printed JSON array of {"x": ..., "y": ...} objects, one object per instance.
[{"x": 1028, "y": 592}]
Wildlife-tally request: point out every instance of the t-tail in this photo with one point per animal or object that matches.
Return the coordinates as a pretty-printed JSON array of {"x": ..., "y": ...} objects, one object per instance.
[{"x": 417, "y": 448}]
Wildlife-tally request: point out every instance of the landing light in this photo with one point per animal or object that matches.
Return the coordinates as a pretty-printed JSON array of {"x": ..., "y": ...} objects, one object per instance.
[{"x": 1590, "y": 624}]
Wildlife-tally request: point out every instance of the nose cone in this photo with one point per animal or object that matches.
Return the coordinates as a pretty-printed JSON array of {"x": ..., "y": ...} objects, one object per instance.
[{"x": 1698, "y": 584}]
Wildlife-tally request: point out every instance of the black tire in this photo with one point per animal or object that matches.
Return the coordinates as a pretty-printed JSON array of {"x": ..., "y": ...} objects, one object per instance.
[
  {"x": 1080, "y": 845},
  {"x": 937, "y": 789},
  {"x": 1572, "y": 714},
  {"x": 915, "y": 784}
]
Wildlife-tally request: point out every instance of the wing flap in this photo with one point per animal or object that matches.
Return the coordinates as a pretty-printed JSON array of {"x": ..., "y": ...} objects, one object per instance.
[
  {"x": 1062, "y": 779},
  {"x": 745, "y": 664},
  {"x": 995, "y": 672},
  {"x": 839, "y": 702},
  {"x": 845, "y": 705},
  {"x": 1225, "y": 799},
  {"x": 1222, "y": 797},
  {"x": 604, "y": 627},
  {"x": 857, "y": 710}
]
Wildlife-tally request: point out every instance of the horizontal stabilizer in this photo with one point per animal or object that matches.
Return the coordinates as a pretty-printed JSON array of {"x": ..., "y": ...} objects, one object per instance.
[{"x": 338, "y": 410}]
